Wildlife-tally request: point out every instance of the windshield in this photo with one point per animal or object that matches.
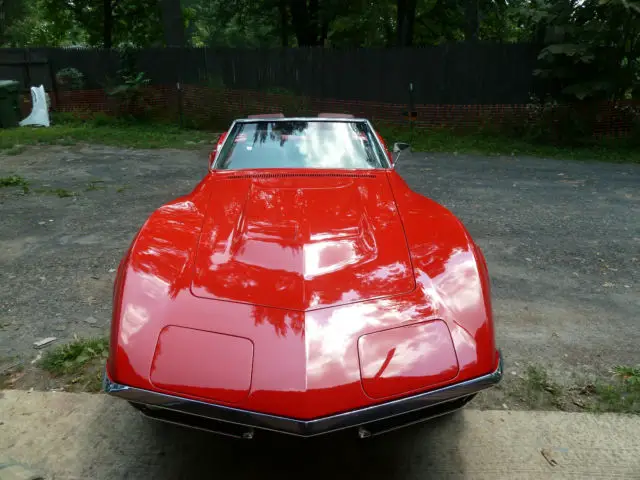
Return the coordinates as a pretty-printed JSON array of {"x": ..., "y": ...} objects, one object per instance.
[{"x": 301, "y": 144}]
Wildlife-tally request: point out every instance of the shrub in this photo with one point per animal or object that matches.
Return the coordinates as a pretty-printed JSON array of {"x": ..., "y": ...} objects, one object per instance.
[
  {"x": 131, "y": 96},
  {"x": 70, "y": 79}
]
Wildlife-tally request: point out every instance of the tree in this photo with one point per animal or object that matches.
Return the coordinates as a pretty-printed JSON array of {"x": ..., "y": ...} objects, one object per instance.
[
  {"x": 107, "y": 24},
  {"x": 364, "y": 23},
  {"x": 103, "y": 23},
  {"x": 172, "y": 22},
  {"x": 405, "y": 20},
  {"x": 270, "y": 23},
  {"x": 591, "y": 48}
]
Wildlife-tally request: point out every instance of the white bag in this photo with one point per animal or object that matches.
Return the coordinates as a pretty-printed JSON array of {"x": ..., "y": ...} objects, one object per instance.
[{"x": 40, "y": 112}]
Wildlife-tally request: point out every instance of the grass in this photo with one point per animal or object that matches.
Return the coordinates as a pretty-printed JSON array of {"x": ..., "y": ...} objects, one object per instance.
[
  {"x": 15, "y": 150},
  {"x": 72, "y": 357},
  {"x": 60, "y": 192},
  {"x": 134, "y": 135},
  {"x": 440, "y": 140},
  {"x": 69, "y": 130},
  {"x": 540, "y": 390},
  {"x": 621, "y": 394},
  {"x": 15, "y": 181},
  {"x": 79, "y": 363},
  {"x": 95, "y": 185}
]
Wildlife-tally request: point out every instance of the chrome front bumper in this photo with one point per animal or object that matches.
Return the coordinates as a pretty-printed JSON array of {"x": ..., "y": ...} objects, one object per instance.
[{"x": 368, "y": 421}]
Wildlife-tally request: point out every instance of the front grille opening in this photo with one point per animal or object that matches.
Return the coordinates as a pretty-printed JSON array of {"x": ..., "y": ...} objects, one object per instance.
[
  {"x": 417, "y": 416},
  {"x": 194, "y": 421}
]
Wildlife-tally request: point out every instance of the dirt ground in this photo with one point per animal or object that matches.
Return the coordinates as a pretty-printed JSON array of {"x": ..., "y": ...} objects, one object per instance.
[
  {"x": 68, "y": 436},
  {"x": 562, "y": 240}
]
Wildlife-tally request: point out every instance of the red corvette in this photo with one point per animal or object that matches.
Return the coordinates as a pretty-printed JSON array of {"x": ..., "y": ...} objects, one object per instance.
[{"x": 302, "y": 288}]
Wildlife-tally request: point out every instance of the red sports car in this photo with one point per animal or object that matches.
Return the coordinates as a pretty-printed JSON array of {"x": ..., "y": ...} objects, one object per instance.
[{"x": 303, "y": 288}]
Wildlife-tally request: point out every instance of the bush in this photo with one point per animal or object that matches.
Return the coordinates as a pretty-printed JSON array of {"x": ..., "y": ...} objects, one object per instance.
[
  {"x": 131, "y": 95},
  {"x": 552, "y": 123},
  {"x": 70, "y": 79}
]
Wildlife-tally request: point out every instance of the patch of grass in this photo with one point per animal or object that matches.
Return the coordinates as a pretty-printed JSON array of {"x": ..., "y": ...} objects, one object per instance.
[
  {"x": 62, "y": 192},
  {"x": 135, "y": 135},
  {"x": 9, "y": 368},
  {"x": 629, "y": 375},
  {"x": 122, "y": 188},
  {"x": 448, "y": 141},
  {"x": 67, "y": 142},
  {"x": 95, "y": 185},
  {"x": 59, "y": 192},
  {"x": 539, "y": 389},
  {"x": 15, "y": 181},
  {"x": 15, "y": 150},
  {"x": 72, "y": 358},
  {"x": 622, "y": 395}
]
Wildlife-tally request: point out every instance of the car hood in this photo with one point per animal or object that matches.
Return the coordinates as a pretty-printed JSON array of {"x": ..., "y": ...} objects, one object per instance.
[{"x": 301, "y": 241}]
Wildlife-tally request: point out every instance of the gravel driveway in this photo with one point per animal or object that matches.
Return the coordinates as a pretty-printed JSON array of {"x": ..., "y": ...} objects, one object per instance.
[{"x": 562, "y": 240}]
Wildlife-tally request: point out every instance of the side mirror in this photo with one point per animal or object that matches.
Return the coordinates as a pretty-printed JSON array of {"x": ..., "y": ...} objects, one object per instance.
[
  {"x": 216, "y": 151},
  {"x": 398, "y": 148}
]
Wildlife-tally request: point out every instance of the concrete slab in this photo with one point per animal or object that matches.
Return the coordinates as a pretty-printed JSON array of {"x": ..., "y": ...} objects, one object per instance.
[{"x": 83, "y": 436}]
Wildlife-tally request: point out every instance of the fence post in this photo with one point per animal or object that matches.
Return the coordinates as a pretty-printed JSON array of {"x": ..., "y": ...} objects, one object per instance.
[
  {"x": 180, "y": 112},
  {"x": 27, "y": 65},
  {"x": 411, "y": 119},
  {"x": 54, "y": 86},
  {"x": 206, "y": 67}
]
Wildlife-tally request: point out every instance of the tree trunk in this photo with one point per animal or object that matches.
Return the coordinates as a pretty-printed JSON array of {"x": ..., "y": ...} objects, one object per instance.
[
  {"x": 172, "y": 23},
  {"x": 107, "y": 35},
  {"x": 284, "y": 23},
  {"x": 472, "y": 24},
  {"x": 305, "y": 21},
  {"x": 406, "y": 17}
]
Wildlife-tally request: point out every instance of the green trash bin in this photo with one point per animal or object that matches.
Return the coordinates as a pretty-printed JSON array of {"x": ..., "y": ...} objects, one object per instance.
[{"x": 9, "y": 106}]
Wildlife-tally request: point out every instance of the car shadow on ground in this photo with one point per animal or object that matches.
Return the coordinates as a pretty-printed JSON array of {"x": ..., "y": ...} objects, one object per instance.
[{"x": 121, "y": 443}]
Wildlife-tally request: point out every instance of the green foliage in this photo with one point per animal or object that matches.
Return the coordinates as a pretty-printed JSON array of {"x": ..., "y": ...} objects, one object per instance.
[
  {"x": 111, "y": 132},
  {"x": 15, "y": 181},
  {"x": 70, "y": 78},
  {"x": 15, "y": 150},
  {"x": 358, "y": 23},
  {"x": 131, "y": 94},
  {"x": 499, "y": 143},
  {"x": 81, "y": 22},
  {"x": 38, "y": 26},
  {"x": 95, "y": 185},
  {"x": 242, "y": 23},
  {"x": 74, "y": 356},
  {"x": 591, "y": 48},
  {"x": 623, "y": 395},
  {"x": 629, "y": 375},
  {"x": 271, "y": 23}
]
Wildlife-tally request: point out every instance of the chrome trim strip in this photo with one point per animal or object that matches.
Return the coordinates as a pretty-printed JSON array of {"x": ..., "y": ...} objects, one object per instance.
[{"x": 304, "y": 428}]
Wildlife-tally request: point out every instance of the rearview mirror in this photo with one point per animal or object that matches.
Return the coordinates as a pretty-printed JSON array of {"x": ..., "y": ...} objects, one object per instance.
[{"x": 398, "y": 148}]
